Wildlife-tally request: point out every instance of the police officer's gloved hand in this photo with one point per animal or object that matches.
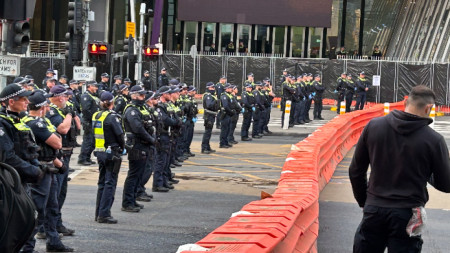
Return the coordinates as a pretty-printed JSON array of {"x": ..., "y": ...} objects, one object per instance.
[
  {"x": 253, "y": 108},
  {"x": 62, "y": 170},
  {"x": 356, "y": 88},
  {"x": 68, "y": 110},
  {"x": 242, "y": 110},
  {"x": 194, "y": 119},
  {"x": 335, "y": 91},
  {"x": 313, "y": 94}
]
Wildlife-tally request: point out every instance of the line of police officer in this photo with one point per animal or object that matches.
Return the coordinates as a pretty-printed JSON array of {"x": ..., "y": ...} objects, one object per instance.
[
  {"x": 221, "y": 105},
  {"x": 346, "y": 89},
  {"x": 301, "y": 91}
]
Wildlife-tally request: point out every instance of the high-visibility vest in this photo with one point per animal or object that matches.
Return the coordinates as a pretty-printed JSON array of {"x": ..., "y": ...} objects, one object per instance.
[
  {"x": 97, "y": 121},
  {"x": 50, "y": 126}
]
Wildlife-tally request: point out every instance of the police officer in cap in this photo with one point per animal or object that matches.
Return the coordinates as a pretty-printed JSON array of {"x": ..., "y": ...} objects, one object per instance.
[
  {"x": 349, "y": 92},
  {"x": 163, "y": 80},
  {"x": 104, "y": 83},
  {"x": 89, "y": 106},
  {"x": 237, "y": 108},
  {"x": 211, "y": 107},
  {"x": 362, "y": 85},
  {"x": 164, "y": 122},
  {"x": 191, "y": 119},
  {"x": 31, "y": 79},
  {"x": 122, "y": 99},
  {"x": 220, "y": 88},
  {"x": 340, "y": 90},
  {"x": 44, "y": 194},
  {"x": 248, "y": 104},
  {"x": 127, "y": 81},
  {"x": 49, "y": 84},
  {"x": 63, "y": 79},
  {"x": 257, "y": 113},
  {"x": 147, "y": 81},
  {"x": 109, "y": 146},
  {"x": 318, "y": 89},
  {"x": 117, "y": 82},
  {"x": 138, "y": 145},
  {"x": 61, "y": 116},
  {"x": 227, "y": 112},
  {"x": 50, "y": 73}
]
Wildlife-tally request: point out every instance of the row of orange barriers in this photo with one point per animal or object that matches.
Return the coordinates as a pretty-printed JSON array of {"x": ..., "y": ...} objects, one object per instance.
[{"x": 288, "y": 220}]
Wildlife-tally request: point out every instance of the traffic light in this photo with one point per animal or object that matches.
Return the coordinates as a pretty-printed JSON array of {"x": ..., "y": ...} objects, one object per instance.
[
  {"x": 151, "y": 52},
  {"x": 18, "y": 37},
  {"x": 99, "y": 51},
  {"x": 74, "y": 48},
  {"x": 75, "y": 16},
  {"x": 128, "y": 47}
]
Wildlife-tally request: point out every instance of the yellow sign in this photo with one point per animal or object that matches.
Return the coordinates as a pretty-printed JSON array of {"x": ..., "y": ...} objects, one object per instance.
[{"x": 131, "y": 29}]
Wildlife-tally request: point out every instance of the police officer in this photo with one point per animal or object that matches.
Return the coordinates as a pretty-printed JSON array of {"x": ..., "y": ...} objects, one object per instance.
[
  {"x": 151, "y": 100},
  {"x": 73, "y": 84},
  {"x": 376, "y": 54},
  {"x": 138, "y": 146},
  {"x": 163, "y": 80},
  {"x": 121, "y": 99},
  {"x": 349, "y": 92},
  {"x": 147, "y": 81},
  {"x": 176, "y": 131},
  {"x": 309, "y": 90},
  {"x": 49, "y": 84},
  {"x": 50, "y": 73},
  {"x": 250, "y": 79},
  {"x": 340, "y": 90},
  {"x": 127, "y": 81},
  {"x": 259, "y": 110},
  {"x": 318, "y": 97},
  {"x": 104, "y": 83},
  {"x": 248, "y": 105},
  {"x": 227, "y": 112},
  {"x": 44, "y": 193},
  {"x": 184, "y": 104},
  {"x": 63, "y": 79},
  {"x": 164, "y": 122},
  {"x": 61, "y": 116},
  {"x": 270, "y": 96},
  {"x": 299, "y": 111},
  {"x": 89, "y": 106},
  {"x": 109, "y": 145},
  {"x": 362, "y": 85},
  {"x": 211, "y": 107},
  {"x": 289, "y": 90},
  {"x": 117, "y": 82},
  {"x": 191, "y": 120},
  {"x": 237, "y": 108},
  {"x": 220, "y": 87}
]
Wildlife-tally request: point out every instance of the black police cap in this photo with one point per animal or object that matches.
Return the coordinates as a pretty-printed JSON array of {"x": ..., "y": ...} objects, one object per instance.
[
  {"x": 164, "y": 90},
  {"x": 38, "y": 99},
  {"x": 106, "y": 96},
  {"x": 13, "y": 90}
]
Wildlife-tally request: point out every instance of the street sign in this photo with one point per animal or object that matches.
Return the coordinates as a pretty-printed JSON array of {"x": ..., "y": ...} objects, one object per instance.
[
  {"x": 84, "y": 73},
  {"x": 131, "y": 29},
  {"x": 376, "y": 81},
  {"x": 9, "y": 65}
]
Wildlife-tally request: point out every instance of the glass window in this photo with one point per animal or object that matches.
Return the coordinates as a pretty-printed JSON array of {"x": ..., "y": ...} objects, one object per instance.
[
  {"x": 279, "y": 37},
  {"x": 190, "y": 31},
  {"x": 333, "y": 33},
  {"x": 315, "y": 42},
  {"x": 226, "y": 36},
  {"x": 297, "y": 41},
  {"x": 244, "y": 38},
  {"x": 262, "y": 39},
  {"x": 209, "y": 36},
  {"x": 352, "y": 25}
]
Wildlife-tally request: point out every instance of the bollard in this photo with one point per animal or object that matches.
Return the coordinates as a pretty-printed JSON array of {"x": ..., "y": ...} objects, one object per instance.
[
  {"x": 342, "y": 109},
  {"x": 386, "y": 109},
  {"x": 433, "y": 116},
  {"x": 287, "y": 114}
]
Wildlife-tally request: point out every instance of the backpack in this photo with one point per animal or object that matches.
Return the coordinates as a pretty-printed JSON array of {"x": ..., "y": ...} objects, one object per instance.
[{"x": 17, "y": 211}]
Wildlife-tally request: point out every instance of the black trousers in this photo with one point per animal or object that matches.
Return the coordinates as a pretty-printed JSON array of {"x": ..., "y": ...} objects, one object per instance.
[
  {"x": 348, "y": 101},
  {"x": 385, "y": 227},
  {"x": 246, "y": 122},
  {"x": 317, "y": 113},
  {"x": 209, "y": 124}
]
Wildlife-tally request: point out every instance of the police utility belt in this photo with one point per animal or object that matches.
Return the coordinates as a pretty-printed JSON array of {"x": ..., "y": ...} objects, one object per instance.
[{"x": 210, "y": 112}]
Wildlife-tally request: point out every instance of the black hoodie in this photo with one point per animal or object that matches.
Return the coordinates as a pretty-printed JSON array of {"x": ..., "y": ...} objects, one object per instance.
[{"x": 404, "y": 154}]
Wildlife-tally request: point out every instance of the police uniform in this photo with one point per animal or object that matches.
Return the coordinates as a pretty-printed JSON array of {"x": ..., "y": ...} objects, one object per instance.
[
  {"x": 109, "y": 145},
  {"x": 288, "y": 95},
  {"x": 184, "y": 103},
  {"x": 164, "y": 122},
  {"x": 258, "y": 114},
  {"x": 175, "y": 134},
  {"x": 270, "y": 97},
  {"x": 340, "y": 89},
  {"x": 163, "y": 80},
  {"x": 309, "y": 88},
  {"x": 225, "y": 121},
  {"x": 190, "y": 122},
  {"x": 44, "y": 194},
  {"x": 211, "y": 106},
  {"x": 237, "y": 108},
  {"x": 361, "y": 94},
  {"x": 349, "y": 92},
  {"x": 219, "y": 90},
  {"x": 318, "y": 94},
  {"x": 89, "y": 106},
  {"x": 138, "y": 147},
  {"x": 248, "y": 104},
  {"x": 104, "y": 86},
  {"x": 121, "y": 101},
  {"x": 300, "y": 104},
  {"x": 147, "y": 82}
]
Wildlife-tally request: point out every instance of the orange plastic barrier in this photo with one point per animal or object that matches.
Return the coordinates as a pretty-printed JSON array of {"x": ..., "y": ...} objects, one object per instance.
[{"x": 289, "y": 220}]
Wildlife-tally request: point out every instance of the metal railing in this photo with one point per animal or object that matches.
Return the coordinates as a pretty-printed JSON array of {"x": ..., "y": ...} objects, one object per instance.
[{"x": 46, "y": 49}]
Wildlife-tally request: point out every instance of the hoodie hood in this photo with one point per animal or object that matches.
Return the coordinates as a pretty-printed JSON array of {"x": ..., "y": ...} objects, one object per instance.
[{"x": 405, "y": 123}]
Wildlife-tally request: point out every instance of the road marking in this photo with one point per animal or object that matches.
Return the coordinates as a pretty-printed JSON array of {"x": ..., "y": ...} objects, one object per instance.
[
  {"x": 249, "y": 161},
  {"x": 228, "y": 171}
]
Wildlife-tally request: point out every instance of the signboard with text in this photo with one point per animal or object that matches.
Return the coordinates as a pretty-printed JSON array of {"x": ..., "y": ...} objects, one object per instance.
[
  {"x": 84, "y": 73},
  {"x": 9, "y": 65}
]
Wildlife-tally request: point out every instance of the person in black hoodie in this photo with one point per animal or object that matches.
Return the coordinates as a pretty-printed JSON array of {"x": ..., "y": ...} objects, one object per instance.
[{"x": 404, "y": 154}]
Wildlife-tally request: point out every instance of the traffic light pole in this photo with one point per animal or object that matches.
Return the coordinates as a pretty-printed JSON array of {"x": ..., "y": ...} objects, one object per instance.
[
  {"x": 141, "y": 40},
  {"x": 3, "y": 49},
  {"x": 86, "y": 35}
]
